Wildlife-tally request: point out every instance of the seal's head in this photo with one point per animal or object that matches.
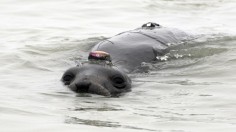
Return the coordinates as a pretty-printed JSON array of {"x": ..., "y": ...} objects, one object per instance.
[{"x": 97, "y": 77}]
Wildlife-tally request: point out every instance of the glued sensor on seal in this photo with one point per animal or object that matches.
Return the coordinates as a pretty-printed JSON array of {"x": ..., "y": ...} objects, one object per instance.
[
  {"x": 150, "y": 25},
  {"x": 100, "y": 56}
]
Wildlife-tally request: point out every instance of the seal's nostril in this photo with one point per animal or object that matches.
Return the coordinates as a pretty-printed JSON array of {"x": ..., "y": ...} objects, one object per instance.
[{"x": 83, "y": 86}]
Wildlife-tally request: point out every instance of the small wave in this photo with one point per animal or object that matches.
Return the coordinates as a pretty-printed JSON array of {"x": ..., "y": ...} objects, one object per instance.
[
  {"x": 48, "y": 57},
  {"x": 202, "y": 50},
  {"x": 99, "y": 123},
  {"x": 59, "y": 45}
]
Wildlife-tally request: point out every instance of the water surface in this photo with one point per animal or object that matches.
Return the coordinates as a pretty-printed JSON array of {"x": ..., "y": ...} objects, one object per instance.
[{"x": 191, "y": 89}]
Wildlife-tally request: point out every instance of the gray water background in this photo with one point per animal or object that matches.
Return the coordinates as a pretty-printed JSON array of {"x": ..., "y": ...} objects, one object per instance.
[{"x": 192, "y": 90}]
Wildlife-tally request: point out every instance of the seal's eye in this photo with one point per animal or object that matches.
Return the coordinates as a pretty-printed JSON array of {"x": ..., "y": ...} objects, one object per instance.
[
  {"x": 67, "y": 79},
  {"x": 119, "y": 82}
]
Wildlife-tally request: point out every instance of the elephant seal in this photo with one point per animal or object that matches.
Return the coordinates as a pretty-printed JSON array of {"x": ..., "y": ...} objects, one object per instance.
[{"x": 110, "y": 60}]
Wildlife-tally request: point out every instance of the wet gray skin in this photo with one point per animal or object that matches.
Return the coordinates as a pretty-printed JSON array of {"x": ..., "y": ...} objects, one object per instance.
[
  {"x": 127, "y": 50},
  {"x": 97, "y": 79}
]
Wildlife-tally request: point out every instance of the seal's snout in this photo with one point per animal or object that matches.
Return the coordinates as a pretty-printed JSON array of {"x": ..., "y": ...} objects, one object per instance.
[
  {"x": 96, "y": 79},
  {"x": 83, "y": 86},
  {"x": 86, "y": 86}
]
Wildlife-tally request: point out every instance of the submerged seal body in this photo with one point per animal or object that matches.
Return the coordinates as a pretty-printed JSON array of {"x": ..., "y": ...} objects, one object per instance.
[{"x": 127, "y": 50}]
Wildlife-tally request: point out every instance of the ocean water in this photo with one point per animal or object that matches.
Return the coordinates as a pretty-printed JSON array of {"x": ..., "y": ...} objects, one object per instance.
[{"x": 192, "y": 88}]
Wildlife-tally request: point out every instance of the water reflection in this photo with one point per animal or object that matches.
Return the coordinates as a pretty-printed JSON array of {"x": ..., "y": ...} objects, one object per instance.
[{"x": 99, "y": 123}]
